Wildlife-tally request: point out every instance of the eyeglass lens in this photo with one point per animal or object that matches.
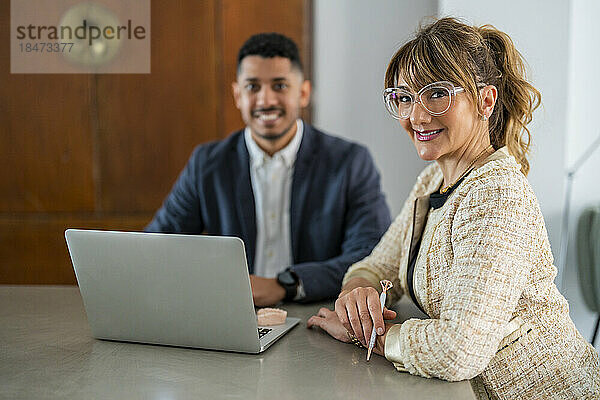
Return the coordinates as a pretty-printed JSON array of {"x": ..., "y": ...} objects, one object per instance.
[{"x": 436, "y": 100}]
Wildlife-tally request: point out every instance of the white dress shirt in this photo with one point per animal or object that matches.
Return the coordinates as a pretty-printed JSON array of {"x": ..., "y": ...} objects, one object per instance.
[{"x": 271, "y": 179}]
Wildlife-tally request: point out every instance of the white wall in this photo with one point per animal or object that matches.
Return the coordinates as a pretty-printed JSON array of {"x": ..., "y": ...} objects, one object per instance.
[
  {"x": 582, "y": 130},
  {"x": 355, "y": 39}
]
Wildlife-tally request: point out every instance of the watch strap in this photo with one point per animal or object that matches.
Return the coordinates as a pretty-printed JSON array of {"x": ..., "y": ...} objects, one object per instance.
[{"x": 289, "y": 281}]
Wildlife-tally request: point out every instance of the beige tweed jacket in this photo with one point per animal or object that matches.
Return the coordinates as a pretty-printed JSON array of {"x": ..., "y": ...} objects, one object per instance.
[{"x": 484, "y": 274}]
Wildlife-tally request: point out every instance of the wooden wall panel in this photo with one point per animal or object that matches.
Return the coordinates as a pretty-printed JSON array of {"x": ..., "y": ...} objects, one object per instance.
[
  {"x": 34, "y": 250},
  {"x": 240, "y": 20},
  {"x": 102, "y": 151},
  {"x": 148, "y": 125},
  {"x": 44, "y": 138}
]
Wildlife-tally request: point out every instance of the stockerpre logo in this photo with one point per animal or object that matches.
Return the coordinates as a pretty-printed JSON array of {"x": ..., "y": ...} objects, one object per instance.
[{"x": 68, "y": 36}]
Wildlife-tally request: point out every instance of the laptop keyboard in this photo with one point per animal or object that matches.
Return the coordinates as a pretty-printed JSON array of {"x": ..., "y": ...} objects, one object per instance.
[{"x": 263, "y": 331}]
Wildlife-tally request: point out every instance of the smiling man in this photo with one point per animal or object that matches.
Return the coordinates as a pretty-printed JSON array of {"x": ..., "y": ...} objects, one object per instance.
[{"x": 307, "y": 205}]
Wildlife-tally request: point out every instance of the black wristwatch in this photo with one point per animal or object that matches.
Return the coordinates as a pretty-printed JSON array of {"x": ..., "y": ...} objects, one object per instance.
[{"x": 289, "y": 280}]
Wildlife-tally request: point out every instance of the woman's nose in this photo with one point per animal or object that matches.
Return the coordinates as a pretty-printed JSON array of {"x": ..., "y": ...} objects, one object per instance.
[{"x": 419, "y": 115}]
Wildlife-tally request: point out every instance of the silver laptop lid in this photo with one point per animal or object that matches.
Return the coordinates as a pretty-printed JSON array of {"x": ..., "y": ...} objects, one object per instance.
[{"x": 183, "y": 290}]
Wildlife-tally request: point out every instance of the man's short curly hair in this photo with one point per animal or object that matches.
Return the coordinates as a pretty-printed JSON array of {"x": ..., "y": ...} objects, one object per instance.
[{"x": 269, "y": 45}]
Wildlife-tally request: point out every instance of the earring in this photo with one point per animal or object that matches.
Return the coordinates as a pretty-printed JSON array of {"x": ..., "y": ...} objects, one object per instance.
[{"x": 484, "y": 117}]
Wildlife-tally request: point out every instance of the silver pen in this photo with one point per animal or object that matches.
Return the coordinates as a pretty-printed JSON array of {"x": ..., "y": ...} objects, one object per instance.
[{"x": 385, "y": 285}]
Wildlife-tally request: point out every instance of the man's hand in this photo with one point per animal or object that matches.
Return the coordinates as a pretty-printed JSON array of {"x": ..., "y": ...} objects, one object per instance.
[{"x": 266, "y": 291}]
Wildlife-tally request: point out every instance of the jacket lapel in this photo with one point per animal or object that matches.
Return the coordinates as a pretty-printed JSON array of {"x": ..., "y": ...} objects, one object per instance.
[
  {"x": 242, "y": 191},
  {"x": 303, "y": 170},
  {"x": 420, "y": 213},
  {"x": 418, "y": 222}
]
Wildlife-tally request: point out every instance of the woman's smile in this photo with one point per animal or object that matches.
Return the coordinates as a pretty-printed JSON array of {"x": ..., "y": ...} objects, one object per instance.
[{"x": 424, "y": 136}]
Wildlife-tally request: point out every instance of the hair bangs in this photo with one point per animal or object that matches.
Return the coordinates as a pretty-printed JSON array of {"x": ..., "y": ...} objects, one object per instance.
[{"x": 422, "y": 61}]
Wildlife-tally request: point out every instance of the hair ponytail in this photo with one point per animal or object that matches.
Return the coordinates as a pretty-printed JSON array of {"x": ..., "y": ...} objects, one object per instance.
[{"x": 517, "y": 98}]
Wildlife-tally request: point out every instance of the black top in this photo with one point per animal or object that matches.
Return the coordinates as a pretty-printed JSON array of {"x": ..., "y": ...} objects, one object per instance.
[{"x": 438, "y": 199}]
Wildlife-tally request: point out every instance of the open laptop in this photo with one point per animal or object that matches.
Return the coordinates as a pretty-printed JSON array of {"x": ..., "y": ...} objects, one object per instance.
[{"x": 180, "y": 290}]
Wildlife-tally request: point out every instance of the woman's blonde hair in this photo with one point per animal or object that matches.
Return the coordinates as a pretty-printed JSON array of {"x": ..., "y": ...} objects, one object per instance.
[{"x": 449, "y": 50}]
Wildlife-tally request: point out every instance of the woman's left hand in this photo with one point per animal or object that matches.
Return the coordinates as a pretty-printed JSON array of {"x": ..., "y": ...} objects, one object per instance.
[{"x": 330, "y": 323}]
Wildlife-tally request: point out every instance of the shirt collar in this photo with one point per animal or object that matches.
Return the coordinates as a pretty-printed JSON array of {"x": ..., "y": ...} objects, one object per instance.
[{"x": 258, "y": 157}]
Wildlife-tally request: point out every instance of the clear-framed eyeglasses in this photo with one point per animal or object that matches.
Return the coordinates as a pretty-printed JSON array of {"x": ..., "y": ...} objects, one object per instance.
[{"x": 436, "y": 98}]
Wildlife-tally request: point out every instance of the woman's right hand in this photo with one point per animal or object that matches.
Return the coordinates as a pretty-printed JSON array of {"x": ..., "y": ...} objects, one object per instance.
[{"x": 359, "y": 310}]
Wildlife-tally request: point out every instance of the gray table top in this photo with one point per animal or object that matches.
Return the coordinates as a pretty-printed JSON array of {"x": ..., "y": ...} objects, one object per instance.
[{"x": 47, "y": 352}]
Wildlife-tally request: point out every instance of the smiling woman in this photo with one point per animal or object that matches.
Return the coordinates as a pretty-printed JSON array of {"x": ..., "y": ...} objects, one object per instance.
[
  {"x": 481, "y": 62},
  {"x": 470, "y": 246}
]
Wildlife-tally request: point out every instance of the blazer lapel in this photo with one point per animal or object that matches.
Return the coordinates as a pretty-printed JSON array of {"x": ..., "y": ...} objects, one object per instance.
[
  {"x": 420, "y": 212},
  {"x": 242, "y": 191},
  {"x": 419, "y": 220},
  {"x": 303, "y": 170}
]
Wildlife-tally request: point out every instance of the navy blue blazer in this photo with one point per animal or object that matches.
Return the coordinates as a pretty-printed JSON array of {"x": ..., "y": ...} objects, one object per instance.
[{"x": 338, "y": 212}]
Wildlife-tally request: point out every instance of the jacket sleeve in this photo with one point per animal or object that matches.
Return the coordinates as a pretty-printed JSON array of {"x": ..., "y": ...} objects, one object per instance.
[
  {"x": 366, "y": 219},
  {"x": 495, "y": 232},
  {"x": 384, "y": 260},
  {"x": 180, "y": 212}
]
